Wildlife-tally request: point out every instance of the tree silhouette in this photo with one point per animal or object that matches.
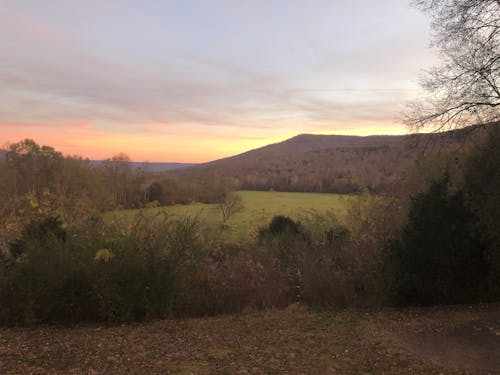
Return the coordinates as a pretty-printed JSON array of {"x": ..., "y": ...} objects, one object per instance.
[{"x": 464, "y": 89}]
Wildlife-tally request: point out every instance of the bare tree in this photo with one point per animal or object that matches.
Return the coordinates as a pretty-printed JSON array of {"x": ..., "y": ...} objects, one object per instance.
[
  {"x": 464, "y": 89},
  {"x": 118, "y": 172},
  {"x": 230, "y": 205}
]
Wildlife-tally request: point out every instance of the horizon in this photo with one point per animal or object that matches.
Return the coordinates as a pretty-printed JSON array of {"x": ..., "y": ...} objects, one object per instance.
[
  {"x": 6, "y": 145},
  {"x": 194, "y": 82}
]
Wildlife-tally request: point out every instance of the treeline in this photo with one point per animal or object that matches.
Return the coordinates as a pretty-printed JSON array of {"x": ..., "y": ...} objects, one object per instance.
[
  {"x": 36, "y": 180},
  {"x": 169, "y": 189},
  {"x": 435, "y": 241}
]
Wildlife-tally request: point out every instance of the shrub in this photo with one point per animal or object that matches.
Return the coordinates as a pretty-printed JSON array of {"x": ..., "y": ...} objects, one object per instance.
[
  {"x": 285, "y": 240},
  {"x": 440, "y": 257},
  {"x": 150, "y": 273},
  {"x": 284, "y": 237},
  {"x": 122, "y": 272},
  {"x": 50, "y": 282},
  {"x": 38, "y": 231},
  {"x": 235, "y": 278},
  {"x": 281, "y": 225}
]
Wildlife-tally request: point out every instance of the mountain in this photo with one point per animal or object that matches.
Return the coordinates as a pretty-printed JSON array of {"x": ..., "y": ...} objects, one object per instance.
[{"x": 328, "y": 163}]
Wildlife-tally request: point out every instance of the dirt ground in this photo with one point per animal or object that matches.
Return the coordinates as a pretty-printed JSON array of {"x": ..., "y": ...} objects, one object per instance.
[
  {"x": 296, "y": 340},
  {"x": 463, "y": 339}
]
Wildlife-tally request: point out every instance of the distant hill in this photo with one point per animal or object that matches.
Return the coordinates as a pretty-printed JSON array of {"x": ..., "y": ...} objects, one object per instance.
[
  {"x": 327, "y": 163},
  {"x": 150, "y": 166}
]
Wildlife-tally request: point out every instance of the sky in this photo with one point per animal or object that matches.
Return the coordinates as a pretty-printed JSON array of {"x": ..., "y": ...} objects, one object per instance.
[{"x": 198, "y": 80}]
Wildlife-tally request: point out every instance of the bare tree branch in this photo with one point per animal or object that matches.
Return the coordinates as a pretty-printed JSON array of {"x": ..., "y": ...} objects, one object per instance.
[{"x": 464, "y": 89}]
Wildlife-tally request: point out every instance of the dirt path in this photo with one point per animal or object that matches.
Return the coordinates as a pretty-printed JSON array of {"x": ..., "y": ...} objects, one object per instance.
[
  {"x": 462, "y": 339},
  {"x": 295, "y": 341}
]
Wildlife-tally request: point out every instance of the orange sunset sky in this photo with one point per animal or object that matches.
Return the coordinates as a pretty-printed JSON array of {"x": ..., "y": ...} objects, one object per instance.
[{"x": 193, "y": 81}]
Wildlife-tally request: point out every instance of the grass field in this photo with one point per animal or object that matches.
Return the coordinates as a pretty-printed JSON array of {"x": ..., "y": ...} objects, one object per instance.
[{"x": 259, "y": 208}]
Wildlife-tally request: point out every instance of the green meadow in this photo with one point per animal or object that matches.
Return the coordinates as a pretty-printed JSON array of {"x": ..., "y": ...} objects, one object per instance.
[{"x": 258, "y": 209}]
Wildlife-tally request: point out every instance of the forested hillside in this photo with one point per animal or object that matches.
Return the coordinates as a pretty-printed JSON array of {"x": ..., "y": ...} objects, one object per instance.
[{"x": 329, "y": 163}]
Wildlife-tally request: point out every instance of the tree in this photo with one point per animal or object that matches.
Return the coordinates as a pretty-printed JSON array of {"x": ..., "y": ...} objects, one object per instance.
[
  {"x": 464, "y": 89},
  {"x": 118, "y": 171},
  {"x": 38, "y": 231},
  {"x": 440, "y": 256},
  {"x": 231, "y": 205},
  {"x": 34, "y": 167},
  {"x": 155, "y": 192},
  {"x": 482, "y": 179}
]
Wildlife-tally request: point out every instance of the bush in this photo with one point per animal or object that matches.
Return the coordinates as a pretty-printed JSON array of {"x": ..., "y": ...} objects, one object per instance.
[
  {"x": 39, "y": 232},
  {"x": 236, "y": 278},
  {"x": 440, "y": 257},
  {"x": 149, "y": 275},
  {"x": 281, "y": 225},
  {"x": 50, "y": 280},
  {"x": 284, "y": 238},
  {"x": 57, "y": 277}
]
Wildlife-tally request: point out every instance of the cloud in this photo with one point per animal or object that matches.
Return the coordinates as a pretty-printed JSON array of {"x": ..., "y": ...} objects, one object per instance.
[{"x": 220, "y": 71}]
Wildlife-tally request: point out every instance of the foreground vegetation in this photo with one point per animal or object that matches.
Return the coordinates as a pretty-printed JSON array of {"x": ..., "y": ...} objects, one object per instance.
[{"x": 418, "y": 341}]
